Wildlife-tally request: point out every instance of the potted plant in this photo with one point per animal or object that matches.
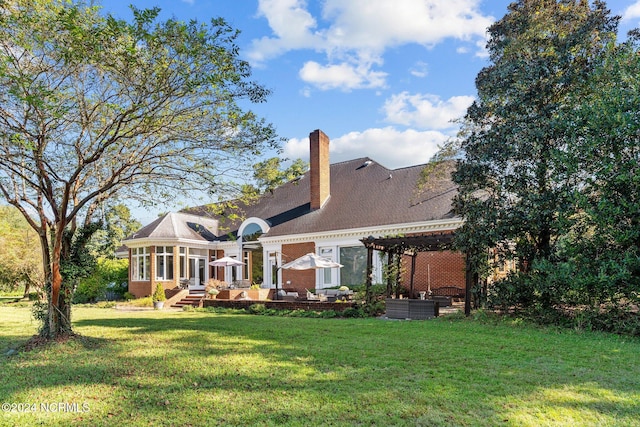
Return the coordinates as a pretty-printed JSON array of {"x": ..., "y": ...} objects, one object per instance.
[
  {"x": 158, "y": 297},
  {"x": 213, "y": 292}
]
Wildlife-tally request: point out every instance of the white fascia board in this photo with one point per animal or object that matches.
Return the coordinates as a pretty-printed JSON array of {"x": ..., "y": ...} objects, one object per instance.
[
  {"x": 144, "y": 242},
  {"x": 355, "y": 234}
]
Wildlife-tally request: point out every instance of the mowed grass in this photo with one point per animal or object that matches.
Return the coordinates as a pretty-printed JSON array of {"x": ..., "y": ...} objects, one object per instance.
[{"x": 152, "y": 368}]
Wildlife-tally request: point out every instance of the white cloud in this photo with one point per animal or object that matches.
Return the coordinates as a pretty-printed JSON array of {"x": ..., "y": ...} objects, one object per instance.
[
  {"x": 421, "y": 69},
  {"x": 341, "y": 76},
  {"x": 358, "y": 32},
  {"x": 424, "y": 110},
  {"x": 388, "y": 146},
  {"x": 632, "y": 12},
  {"x": 377, "y": 25},
  {"x": 292, "y": 26}
]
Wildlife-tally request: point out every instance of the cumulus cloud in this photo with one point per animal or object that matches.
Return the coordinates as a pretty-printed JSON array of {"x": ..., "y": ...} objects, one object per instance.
[
  {"x": 632, "y": 12},
  {"x": 353, "y": 35},
  {"x": 341, "y": 76},
  {"x": 425, "y": 110},
  {"x": 292, "y": 25},
  {"x": 388, "y": 146}
]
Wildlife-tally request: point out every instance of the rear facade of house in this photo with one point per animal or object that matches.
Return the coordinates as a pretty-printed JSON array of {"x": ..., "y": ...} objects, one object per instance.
[{"x": 327, "y": 211}]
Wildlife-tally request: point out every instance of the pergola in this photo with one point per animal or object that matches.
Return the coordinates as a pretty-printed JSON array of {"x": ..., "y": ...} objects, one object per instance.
[{"x": 411, "y": 246}]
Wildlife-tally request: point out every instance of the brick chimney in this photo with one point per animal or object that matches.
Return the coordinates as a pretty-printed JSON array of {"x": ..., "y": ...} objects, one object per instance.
[{"x": 319, "y": 168}]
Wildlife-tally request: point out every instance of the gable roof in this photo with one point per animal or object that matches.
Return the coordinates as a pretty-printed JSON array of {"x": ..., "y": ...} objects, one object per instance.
[{"x": 363, "y": 194}]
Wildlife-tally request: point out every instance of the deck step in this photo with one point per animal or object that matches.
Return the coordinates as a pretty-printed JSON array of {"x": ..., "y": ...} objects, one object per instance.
[{"x": 189, "y": 300}]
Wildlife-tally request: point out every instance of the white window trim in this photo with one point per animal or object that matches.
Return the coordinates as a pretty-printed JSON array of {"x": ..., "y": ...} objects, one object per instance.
[
  {"x": 164, "y": 252},
  {"x": 138, "y": 256}
]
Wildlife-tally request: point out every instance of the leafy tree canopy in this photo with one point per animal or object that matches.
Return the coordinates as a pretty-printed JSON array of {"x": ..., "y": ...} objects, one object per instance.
[{"x": 92, "y": 107}]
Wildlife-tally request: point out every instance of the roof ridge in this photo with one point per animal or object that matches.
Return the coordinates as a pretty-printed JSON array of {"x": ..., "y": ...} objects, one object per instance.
[{"x": 174, "y": 224}]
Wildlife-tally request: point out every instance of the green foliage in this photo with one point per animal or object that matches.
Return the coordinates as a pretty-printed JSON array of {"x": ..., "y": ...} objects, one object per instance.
[
  {"x": 141, "y": 302},
  {"x": 21, "y": 260},
  {"x": 77, "y": 262},
  {"x": 353, "y": 312},
  {"x": 158, "y": 294},
  {"x": 257, "y": 309},
  {"x": 550, "y": 163},
  {"x": 139, "y": 109},
  {"x": 106, "y": 278},
  {"x": 515, "y": 188},
  {"x": 375, "y": 308},
  {"x": 118, "y": 224},
  {"x": 269, "y": 174},
  {"x": 328, "y": 314}
]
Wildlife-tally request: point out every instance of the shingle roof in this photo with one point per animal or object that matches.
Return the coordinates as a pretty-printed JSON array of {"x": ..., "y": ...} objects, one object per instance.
[
  {"x": 363, "y": 194},
  {"x": 179, "y": 225}
]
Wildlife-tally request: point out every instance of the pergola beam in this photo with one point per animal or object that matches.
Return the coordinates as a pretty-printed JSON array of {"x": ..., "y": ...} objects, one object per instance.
[{"x": 411, "y": 245}]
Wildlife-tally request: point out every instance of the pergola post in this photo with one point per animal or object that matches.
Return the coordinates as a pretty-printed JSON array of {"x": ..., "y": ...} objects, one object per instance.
[
  {"x": 413, "y": 271},
  {"x": 398, "y": 267},
  {"x": 368, "y": 296},
  {"x": 389, "y": 282}
]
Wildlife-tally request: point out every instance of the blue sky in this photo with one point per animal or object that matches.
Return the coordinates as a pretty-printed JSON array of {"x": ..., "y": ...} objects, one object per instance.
[{"x": 382, "y": 78}]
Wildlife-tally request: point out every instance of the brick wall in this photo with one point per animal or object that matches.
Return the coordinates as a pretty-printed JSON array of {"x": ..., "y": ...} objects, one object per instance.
[
  {"x": 300, "y": 279},
  {"x": 439, "y": 268},
  {"x": 140, "y": 289},
  {"x": 319, "y": 175},
  {"x": 281, "y": 305}
]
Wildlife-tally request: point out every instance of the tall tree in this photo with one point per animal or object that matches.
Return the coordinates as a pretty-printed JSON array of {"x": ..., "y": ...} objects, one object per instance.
[
  {"x": 515, "y": 188},
  {"x": 20, "y": 263},
  {"x": 117, "y": 223},
  {"x": 603, "y": 245},
  {"x": 92, "y": 107}
]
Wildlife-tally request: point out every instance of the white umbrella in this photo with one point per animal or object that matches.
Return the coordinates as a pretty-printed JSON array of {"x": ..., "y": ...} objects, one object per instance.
[
  {"x": 226, "y": 262},
  {"x": 311, "y": 261}
]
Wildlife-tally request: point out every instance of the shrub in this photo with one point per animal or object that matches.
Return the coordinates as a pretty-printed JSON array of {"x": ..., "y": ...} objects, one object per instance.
[
  {"x": 329, "y": 314},
  {"x": 105, "y": 279},
  {"x": 376, "y": 308},
  {"x": 257, "y": 309},
  {"x": 141, "y": 302},
  {"x": 106, "y": 304},
  {"x": 159, "y": 294},
  {"x": 352, "y": 312}
]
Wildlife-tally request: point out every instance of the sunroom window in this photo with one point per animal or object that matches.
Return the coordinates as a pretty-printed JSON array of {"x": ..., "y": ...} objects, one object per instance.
[
  {"x": 140, "y": 264},
  {"x": 164, "y": 262}
]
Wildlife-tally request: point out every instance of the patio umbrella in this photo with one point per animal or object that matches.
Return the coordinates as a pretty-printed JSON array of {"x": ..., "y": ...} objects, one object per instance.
[
  {"x": 310, "y": 261},
  {"x": 226, "y": 262}
]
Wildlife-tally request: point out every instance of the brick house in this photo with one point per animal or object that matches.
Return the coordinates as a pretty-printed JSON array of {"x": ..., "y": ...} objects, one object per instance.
[{"x": 328, "y": 211}]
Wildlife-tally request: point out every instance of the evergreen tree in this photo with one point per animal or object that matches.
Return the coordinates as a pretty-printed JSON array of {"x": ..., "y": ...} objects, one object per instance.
[{"x": 515, "y": 188}]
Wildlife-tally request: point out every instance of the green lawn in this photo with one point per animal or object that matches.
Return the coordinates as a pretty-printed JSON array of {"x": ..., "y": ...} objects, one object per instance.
[{"x": 196, "y": 368}]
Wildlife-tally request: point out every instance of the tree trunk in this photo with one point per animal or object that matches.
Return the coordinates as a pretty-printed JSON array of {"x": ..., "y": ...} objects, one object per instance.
[
  {"x": 27, "y": 288},
  {"x": 58, "y": 321},
  {"x": 60, "y": 302}
]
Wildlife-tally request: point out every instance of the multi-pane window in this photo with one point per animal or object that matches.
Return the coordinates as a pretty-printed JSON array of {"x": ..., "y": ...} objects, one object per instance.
[
  {"x": 354, "y": 261},
  {"x": 140, "y": 264},
  {"x": 327, "y": 273},
  {"x": 246, "y": 270},
  {"x": 164, "y": 262},
  {"x": 183, "y": 263}
]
